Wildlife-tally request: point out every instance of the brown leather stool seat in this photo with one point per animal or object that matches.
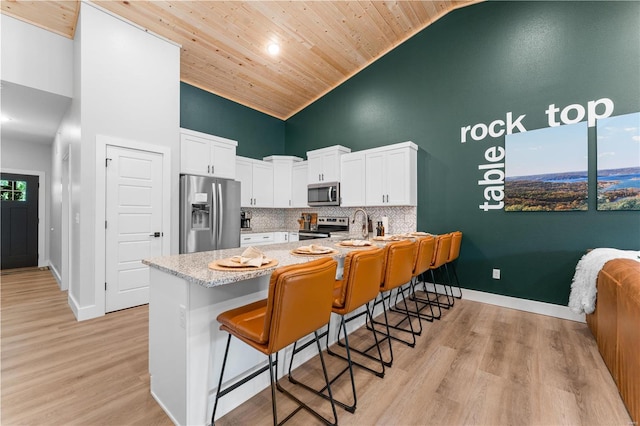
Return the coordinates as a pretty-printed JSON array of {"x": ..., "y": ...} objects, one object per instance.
[
  {"x": 360, "y": 284},
  {"x": 298, "y": 303}
]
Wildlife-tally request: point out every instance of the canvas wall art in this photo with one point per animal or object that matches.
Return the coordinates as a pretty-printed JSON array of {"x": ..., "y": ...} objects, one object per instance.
[
  {"x": 547, "y": 169},
  {"x": 619, "y": 162}
]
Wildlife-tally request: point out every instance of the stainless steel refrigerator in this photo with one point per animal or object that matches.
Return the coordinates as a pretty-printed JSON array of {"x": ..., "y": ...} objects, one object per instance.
[{"x": 209, "y": 213}]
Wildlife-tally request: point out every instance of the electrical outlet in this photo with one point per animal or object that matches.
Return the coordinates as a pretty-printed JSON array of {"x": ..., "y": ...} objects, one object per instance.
[
  {"x": 182, "y": 314},
  {"x": 496, "y": 274}
]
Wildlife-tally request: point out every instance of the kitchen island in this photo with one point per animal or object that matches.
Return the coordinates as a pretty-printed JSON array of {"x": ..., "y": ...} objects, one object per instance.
[{"x": 186, "y": 347}]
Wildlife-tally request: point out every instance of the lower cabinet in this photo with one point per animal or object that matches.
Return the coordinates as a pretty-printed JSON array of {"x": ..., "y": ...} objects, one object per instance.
[{"x": 256, "y": 239}]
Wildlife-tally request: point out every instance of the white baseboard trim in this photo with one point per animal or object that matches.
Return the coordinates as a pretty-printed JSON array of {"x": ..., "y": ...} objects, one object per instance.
[
  {"x": 56, "y": 274},
  {"x": 532, "y": 306},
  {"x": 83, "y": 313}
]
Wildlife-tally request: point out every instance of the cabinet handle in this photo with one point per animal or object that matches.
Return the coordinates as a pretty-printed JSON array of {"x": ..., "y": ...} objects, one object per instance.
[
  {"x": 208, "y": 169},
  {"x": 323, "y": 177},
  {"x": 383, "y": 198},
  {"x": 213, "y": 169},
  {"x": 387, "y": 198}
]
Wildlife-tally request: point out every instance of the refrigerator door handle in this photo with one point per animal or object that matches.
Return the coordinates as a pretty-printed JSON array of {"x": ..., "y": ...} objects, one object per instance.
[
  {"x": 214, "y": 209},
  {"x": 220, "y": 218}
]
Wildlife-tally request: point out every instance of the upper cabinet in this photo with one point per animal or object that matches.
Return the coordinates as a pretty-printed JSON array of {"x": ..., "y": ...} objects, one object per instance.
[
  {"x": 283, "y": 179},
  {"x": 391, "y": 174},
  {"x": 256, "y": 182},
  {"x": 324, "y": 164},
  {"x": 207, "y": 155},
  {"x": 352, "y": 179},
  {"x": 299, "y": 176}
]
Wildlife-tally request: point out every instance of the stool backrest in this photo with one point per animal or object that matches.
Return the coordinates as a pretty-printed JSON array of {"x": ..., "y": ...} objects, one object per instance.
[
  {"x": 299, "y": 301},
  {"x": 400, "y": 259},
  {"x": 424, "y": 256},
  {"x": 456, "y": 241},
  {"x": 443, "y": 247},
  {"x": 360, "y": 283}
]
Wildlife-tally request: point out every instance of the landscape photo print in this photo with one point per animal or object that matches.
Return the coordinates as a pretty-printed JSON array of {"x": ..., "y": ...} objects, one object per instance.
[
  {"x": 618, "y": 150},
  {"x": 547, "y": 169}
]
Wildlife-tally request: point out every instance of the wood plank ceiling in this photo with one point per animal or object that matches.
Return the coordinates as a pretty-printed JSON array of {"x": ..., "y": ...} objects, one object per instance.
[{"x": 224, "y": 43}]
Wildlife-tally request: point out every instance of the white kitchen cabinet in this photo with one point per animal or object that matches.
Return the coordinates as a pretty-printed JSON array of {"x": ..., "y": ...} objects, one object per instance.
[
  {"x": 283, "y": 179},
  {"x": 280, "y": 237},
  {"x": 299, "y": 176},
  {"x": 256, "y": 239},
  {"x": 256, "y": 182},
  {"x": 391, "y": 175},
  {"x": 352, "y": 179},
  {"x": 207, "y": 155},
  {"x": 294, "y": 236},
  {"x": 324, "y": 164}
]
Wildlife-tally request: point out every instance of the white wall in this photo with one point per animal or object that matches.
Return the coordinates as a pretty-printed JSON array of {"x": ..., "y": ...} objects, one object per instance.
[
  {"x": 59, "y": 239},
  {"x": 36, "y": 58},
  {"x": 129, "y": 88},
  {"x": 19, "y": 155}
]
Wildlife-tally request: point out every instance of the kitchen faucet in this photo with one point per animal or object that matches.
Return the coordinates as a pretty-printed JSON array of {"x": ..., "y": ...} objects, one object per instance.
[{"x": 365, "y": 231}]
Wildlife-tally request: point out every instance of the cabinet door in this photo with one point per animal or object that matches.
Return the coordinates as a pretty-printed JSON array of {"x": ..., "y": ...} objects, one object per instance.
[
  {"x": 194, "y": 156},
  {"x": 375, "y": 181},
  {"x": 262, "y": 184},
  {"x": 396, "y": 177},
  {"x": 282, "y": 185},
  {"x": 330, "y": 167},
  {"x": 352, "y": 180},
  {"x": 280, "y": 237},
  {"x": 299, "y": 176},
  {"x": 244, "y": 174},
  {"x": 315, "y": 169},
  {"x": 223, "y": 158}
]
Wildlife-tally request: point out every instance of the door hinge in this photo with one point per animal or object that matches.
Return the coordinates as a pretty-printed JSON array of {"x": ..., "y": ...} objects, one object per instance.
[
  {"x": 105, "y": 286},
  {"x": 105, "y": 224},
  {"x": 106, "y": 162}
]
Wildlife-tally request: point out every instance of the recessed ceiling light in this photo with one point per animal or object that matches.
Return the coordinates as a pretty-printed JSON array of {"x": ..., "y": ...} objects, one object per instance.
[
  {"x": 6, "y": 118},
  {"x": 273, "y": 48}
]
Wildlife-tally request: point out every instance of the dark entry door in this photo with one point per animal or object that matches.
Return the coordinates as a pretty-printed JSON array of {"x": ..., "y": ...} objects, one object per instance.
[{"x": 19, "y": 201}]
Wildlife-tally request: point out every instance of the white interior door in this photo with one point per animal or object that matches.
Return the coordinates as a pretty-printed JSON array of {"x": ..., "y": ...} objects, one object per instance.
[{"x": 134, "y": 224}]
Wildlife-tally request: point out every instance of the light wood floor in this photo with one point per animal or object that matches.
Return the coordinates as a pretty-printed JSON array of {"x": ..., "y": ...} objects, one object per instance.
[{"x": 479, "y": 365}]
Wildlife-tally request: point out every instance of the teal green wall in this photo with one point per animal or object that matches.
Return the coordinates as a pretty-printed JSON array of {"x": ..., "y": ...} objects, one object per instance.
[
  {"x": 473, "y": 66},
  {"x": 258, "y": 135}
]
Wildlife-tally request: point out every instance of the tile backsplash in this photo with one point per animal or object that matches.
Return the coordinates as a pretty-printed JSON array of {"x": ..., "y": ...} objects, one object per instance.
[{"x": 401, "y": 219}]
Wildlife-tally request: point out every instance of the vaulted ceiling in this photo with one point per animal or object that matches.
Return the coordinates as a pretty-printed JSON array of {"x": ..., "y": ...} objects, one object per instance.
[{"x": 224, "y": 43}]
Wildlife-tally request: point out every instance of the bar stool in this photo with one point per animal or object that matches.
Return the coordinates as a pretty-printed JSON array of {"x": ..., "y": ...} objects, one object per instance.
[
  {"x": 440, "y": 256},
  {"x": 454, "y": 253},
  {"x": 359, "y": 285},
  {"x": 426, "y": 251},
  {"x": 298, "y": 303},
  {"x": 398, "y": 270}
]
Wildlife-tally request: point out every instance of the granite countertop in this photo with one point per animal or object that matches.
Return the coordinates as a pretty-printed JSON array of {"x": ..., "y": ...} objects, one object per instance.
[
  {"x": 258, "y": 230},
  {"x": 194, "y": 268}
]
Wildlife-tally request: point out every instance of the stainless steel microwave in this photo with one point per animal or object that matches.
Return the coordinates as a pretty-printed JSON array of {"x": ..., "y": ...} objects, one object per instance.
[{"x": 324, "y": 194}]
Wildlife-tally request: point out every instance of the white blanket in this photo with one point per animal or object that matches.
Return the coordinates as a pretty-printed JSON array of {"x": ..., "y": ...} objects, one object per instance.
[{"x": 582, "y": 299}]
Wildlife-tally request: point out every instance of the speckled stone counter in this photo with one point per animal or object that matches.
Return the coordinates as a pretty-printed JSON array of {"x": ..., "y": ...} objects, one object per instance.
[{"x": 194, "y": 267}]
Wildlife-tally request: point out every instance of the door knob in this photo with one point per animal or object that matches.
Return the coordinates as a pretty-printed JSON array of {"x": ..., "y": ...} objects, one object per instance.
[{"x": 156, "y": 234}]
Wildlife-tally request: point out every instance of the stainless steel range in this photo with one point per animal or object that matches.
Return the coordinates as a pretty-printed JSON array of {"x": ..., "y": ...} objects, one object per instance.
[{"x": 326, "y": 225}]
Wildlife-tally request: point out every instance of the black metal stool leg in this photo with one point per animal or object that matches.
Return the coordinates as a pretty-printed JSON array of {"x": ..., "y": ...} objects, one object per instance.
[{"x": 224, "y": 364}]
